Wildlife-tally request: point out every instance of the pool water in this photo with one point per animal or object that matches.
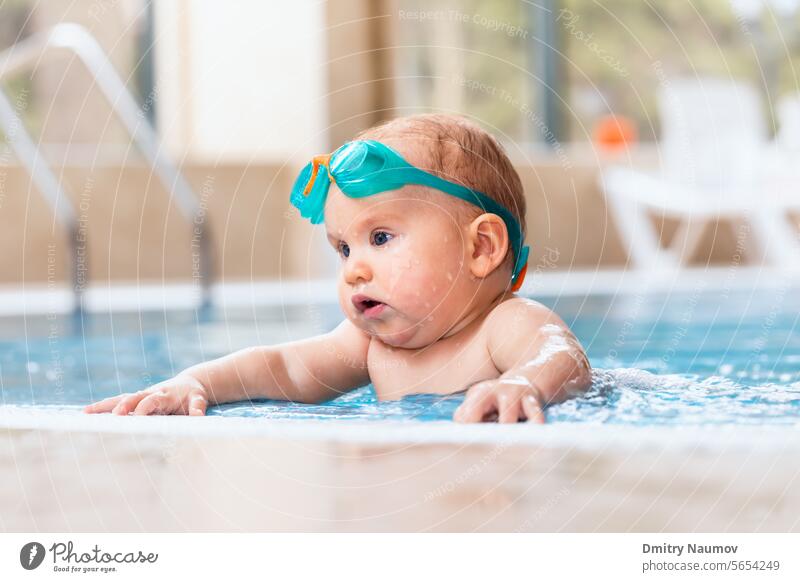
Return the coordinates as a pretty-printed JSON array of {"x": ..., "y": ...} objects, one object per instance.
[{"x": 690, "y": 358}]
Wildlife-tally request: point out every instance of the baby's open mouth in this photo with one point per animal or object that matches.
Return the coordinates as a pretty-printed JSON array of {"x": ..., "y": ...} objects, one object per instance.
[{"x": 368, "y": 306}]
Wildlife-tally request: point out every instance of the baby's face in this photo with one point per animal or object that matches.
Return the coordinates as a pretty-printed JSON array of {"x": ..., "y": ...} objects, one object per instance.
[{"x": 402, "y": 276}]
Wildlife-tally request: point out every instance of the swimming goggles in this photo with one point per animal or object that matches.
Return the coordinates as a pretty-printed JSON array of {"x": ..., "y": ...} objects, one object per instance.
[{"x": 365, "y": 167}]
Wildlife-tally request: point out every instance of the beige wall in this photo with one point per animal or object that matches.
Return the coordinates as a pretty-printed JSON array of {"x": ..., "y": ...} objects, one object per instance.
[
  {"x": 569, "y": 222},
  {"x": 134, "y": 235},
  {"x": 360, "y": 66},
  {"x": 132, "y": 231}
]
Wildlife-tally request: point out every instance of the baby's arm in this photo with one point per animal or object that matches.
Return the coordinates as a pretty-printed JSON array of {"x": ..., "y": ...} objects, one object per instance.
[
  {"x": 540, "y": 361},
  {"x": 310, "y": 370}
]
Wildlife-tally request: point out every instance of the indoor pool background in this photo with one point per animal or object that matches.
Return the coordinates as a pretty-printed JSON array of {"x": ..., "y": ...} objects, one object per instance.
[{"x": 701, "y": 357}]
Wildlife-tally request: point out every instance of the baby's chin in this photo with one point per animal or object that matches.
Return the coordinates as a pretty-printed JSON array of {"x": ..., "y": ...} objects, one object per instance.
[{"x": 401, "y": 334}]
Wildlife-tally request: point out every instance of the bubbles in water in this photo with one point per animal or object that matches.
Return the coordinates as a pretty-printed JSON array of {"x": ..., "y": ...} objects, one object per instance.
[{"x": 634, "y": 396}]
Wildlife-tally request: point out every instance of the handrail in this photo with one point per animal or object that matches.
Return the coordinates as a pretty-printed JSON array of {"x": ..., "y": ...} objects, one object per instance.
[
  {"x": 77, "y": 39},
  {"x": 29, "y": 155}
]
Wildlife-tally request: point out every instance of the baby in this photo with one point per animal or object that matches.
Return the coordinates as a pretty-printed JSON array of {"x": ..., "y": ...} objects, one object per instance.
[{"x": 427, "y": 215}]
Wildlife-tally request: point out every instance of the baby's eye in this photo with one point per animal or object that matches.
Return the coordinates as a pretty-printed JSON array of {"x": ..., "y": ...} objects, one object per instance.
[
  {"x": 344, "y": 249},
  {"x": 380, "y": 237}
]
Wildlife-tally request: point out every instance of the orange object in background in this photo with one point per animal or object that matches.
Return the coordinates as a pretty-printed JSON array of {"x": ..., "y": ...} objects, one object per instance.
[{"x": 614, "y": 132}]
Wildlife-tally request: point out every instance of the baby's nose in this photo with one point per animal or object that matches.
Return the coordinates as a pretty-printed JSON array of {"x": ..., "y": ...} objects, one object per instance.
[{"x": 357, "y": 270}]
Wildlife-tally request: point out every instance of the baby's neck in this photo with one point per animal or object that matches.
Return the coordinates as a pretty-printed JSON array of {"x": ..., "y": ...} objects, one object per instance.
[{"x": 480, "y": 309}]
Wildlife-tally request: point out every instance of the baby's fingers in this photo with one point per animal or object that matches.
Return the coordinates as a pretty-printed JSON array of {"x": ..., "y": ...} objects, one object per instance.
[
  {"x": 128, "y": 403},
  {"x": 155, "y": 403},
  {"x": 197, "y": 403},
  {"x": 508, "y": 408},
  {"x": 532, "y": 409},
  {"x": 105, "y": 405},
  {"x": 475, "y": 407}
]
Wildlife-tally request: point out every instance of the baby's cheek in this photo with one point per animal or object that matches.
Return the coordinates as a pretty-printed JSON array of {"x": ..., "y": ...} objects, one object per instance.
[
  {"x": 396, "y": 274},
  {"x": 403, "y": 284},
  {"x": 423, "y": 290},
  {"x": 419, "y": 277},
  {"x": 344, "y": 300}
]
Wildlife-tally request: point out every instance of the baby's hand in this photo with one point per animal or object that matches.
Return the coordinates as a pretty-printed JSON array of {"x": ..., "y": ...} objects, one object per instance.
[
  {"x": 504, "y": 399},
  {"x": 183, "y": 394}
]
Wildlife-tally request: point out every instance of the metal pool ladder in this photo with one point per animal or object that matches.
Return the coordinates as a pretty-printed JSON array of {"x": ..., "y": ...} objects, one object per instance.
[{"x": 77, "y": 39}]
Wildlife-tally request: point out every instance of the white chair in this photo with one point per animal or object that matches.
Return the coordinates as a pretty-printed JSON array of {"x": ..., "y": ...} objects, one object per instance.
[
  {"x": 714, "y": 155},
  {"x": 788, "y": 110}
]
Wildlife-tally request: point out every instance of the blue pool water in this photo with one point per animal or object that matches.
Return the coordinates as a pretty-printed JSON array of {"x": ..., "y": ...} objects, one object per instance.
[{"x": 692, "y": 358}]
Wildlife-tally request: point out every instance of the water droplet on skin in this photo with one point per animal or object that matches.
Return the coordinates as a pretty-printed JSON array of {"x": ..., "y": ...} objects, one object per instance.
[{"x": 449, "y": 276}]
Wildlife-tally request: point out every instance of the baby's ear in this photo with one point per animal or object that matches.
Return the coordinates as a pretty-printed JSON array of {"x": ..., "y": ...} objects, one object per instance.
[{"x": 487, "y": 238}]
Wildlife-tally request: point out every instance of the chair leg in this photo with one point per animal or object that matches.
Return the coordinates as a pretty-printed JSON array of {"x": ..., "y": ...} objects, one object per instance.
[
  {"x": 745, "y": 249},
  {"x": 637, "y": 233},
  {"x": 687, "y": 238},
  {"x": 779, "y": 241}
]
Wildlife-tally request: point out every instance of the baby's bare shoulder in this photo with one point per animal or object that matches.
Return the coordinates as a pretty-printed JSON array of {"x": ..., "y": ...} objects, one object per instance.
[
  {"x": 518, "y": 328},
  {"x": 518, "y": 318},
  {"x": 521, "y": 309}
]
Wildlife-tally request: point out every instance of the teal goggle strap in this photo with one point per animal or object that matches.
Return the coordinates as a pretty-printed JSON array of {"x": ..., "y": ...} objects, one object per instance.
[{"x": 365, "y": 168}]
